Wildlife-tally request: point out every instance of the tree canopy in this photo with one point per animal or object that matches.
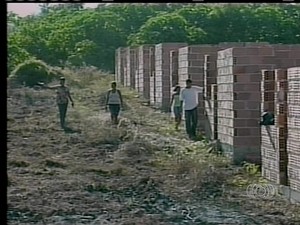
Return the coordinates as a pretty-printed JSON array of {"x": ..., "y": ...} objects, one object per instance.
[{"x": 69, "y": 33}]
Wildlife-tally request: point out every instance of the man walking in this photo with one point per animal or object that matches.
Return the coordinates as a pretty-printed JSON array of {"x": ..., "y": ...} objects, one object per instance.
[{"x": 189, "y": 98}]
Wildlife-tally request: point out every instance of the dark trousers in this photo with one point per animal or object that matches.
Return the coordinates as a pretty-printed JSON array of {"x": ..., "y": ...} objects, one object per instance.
[
  {"x": 191, "y": 119},
  {"x": 62, "y": 113}
]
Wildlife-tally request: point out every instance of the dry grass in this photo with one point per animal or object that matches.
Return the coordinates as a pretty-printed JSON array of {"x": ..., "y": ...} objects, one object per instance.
[{"x": 140, "y": 172}]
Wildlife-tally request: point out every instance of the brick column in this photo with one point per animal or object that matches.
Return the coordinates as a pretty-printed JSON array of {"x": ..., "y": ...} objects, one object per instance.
[
  {"x": 293, "y": 140},
  {"x": 281, "y": 109},
  {"x": 173, "y": 69},
  {"x": 123, "y": 66},
  {"x": 152, "y": 76},
  {"x": 214, "y": 90},
  {"x": 269, "y": 134},
  {"x": 144, "y": 71}
]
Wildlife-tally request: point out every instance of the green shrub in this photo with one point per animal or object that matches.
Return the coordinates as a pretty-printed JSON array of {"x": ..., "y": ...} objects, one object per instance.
[
  {"x": 32, "y": 71},
  {"x": 16, "y": 55}
]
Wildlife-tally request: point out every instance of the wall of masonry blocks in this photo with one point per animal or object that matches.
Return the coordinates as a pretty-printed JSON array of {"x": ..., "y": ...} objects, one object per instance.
[
  {"x": 131, "y": 67},
  {"x": 269, "y": 134},
  {"x": 211, "y": 96},
  {"x": 144, "y": 71},
  {"x": 280, "y": 143},
  {"x": 162, "y": 73},
  {"x": 152, "y": 93},
  {"x": 120, "y": 61},
  {"x": 293, "y": 124},
  {"x": 240, "y": 80},
  {"x": 173, "y": 69},
  {"x": 194, "y": 63},
  {"x": 191, "y": 65},
  {"x": 239, "y": 77}
]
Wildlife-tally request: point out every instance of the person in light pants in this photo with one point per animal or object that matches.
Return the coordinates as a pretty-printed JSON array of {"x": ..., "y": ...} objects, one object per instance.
[
  {"x": 177, "y": 107},
  {"x": 189, "y": 100}
]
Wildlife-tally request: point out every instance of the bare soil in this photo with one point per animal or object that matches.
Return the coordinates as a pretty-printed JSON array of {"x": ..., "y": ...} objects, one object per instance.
[{"x": 140, "y": 172}]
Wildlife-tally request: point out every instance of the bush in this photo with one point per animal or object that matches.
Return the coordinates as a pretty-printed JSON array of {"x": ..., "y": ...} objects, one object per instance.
[
  {"x": 32, "y": 71},
  {"x": 16, "y": 55}
]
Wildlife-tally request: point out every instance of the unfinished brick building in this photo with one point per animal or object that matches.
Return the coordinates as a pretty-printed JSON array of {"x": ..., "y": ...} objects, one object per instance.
[
  {"x": 152, "y": 75},
  {"x": 117, "y": 64},
  {"x": 273, "y": 137},
  {"x": 293, "y": 124},
  {"x": 143, "y": 84},
  {"x": 131, "y": 67},
  {"x": 269, "y": 134},
  {"x": 239, "y": 77},
  {"x": 162, "y": 73},
  {"x": 280, "y": 142},
  {"x": 173, "y": 69},
  {"x": 210, "y": 87},
  {"x": 211, "y": 96},
  {"x": 120, "y": 61},
  {"x": 191, "y": 65}
]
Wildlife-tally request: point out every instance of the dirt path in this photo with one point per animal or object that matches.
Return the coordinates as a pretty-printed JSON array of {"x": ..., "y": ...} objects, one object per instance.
[{"x": 141, "y": 172}]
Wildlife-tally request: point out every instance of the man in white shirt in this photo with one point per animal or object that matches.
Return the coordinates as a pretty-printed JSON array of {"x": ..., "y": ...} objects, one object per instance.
[{"x": 189, "y": 99}]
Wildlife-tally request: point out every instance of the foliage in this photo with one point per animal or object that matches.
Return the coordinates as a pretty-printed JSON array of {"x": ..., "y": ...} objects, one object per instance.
[
  {"x": 69, "y": 33},
  {"x": 16, "y": 56},
  {"x": 169, "y": 27},
  {"x": 32, "y": 71},
  {"x": 251, "y": 169}
]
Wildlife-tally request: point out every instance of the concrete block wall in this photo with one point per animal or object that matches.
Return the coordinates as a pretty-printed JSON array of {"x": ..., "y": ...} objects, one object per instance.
[
  {"x": 117, "y": 64},
  {"x": 120, "y": 59},
  {"x": 144, "y": 71},
  {"x": 293, "y": 120},
  {"x": 173, "y": 69},
  {"x": 274, "y": 137},
  {"x": 281, "y": 123},
  {"x": 126, "y": 81},
  {"x": 198, "y": 62},
  {"x": 162, "y": 73},
  {"x": 269, "y": 134},
  {"x": 210, "y": 95},
  {"x": 152, "y": 75},
  {"x": 239, "y": 77},
  {"x": 131, "y": 67},
  {"x": 191, "y": 65},
  {"x": 123, "y": 66},
  {"x": 136, "y": 80}
]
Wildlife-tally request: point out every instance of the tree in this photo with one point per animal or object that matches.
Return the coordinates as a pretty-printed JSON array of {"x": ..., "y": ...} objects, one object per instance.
[
  {"x": 169, "y": 27},
  {"x": 68, "y": 32}
]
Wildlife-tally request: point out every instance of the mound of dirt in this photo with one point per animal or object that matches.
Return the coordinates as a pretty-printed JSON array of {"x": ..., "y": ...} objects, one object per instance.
[{"x": 31, "y": 72}]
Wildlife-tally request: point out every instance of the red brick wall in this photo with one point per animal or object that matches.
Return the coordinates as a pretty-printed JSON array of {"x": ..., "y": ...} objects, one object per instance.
[
  {"x": 293, "y": 120},
  {"x": 131, "y": 67},
  {"x": 173, "y": 69},
  {"x": 210, "y": 95},
  {"x": 269, "y": 134},
  {"x": 152, "y": 75},
  {"x": 239, "y": 77},
  {"x": 144, "y": 71},
  {"x": 117, "y": 64},
  {"x": 120, "y": 58},
  {"x": 162, "y": 73},
  {"x": 191, "y": 65}
]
